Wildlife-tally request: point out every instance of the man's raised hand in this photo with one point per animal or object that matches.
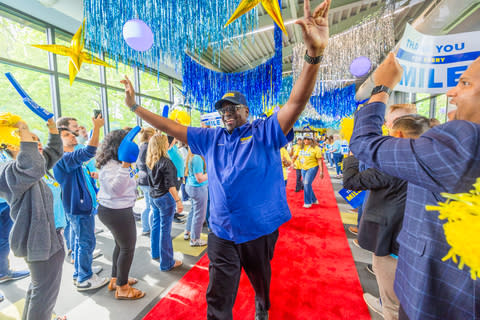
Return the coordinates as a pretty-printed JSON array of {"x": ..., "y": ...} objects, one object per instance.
[{"x": 315, "y": 27}]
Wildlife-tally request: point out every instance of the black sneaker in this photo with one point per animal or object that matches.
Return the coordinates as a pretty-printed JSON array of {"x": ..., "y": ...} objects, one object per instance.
[
  {"x": 179, "y": 216},
  {"x": 176, "y": 220}
]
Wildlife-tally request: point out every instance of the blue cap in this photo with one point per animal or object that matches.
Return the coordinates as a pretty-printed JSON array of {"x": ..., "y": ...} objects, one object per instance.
[{"x": 233, "y": 97}]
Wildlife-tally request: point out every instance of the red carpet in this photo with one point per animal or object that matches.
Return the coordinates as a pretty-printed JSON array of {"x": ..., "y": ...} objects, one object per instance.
[{"x": 314, "y": 276}]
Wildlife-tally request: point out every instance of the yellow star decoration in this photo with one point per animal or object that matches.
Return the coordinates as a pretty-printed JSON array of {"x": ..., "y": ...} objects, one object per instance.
[
  {"x": 271, "y": 6},
  {"x": 75, "y": 52},
  {"x": 462, "y": 229}
]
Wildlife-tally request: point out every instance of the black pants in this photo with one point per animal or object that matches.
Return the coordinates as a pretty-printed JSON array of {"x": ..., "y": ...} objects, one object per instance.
[
  {"x": 226, "y": 262},
  {"x": 401, "y": 314},
  {"x": 299, "y": 184},
  {"x": 121, "y": 224}
]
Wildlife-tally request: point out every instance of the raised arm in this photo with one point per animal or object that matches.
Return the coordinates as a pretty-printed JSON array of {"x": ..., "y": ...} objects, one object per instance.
[
  {"x": 315, "y": 36},
  {"x": 166, "y": 125},
  {"x": 53, "y": 151}
]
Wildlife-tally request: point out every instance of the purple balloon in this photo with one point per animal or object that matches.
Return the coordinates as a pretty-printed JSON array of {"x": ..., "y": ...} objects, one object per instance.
[
  {"x": 360, "y": 66},
  {"x": 138, "y": 35}
]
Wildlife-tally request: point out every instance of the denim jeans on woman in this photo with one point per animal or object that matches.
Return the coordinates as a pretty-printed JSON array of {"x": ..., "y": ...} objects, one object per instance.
[
  {"x": 146, "y": 212},
  {"x": 338, "y": 158},
  {"x": 160, "y": 238},
  {"x": 199, "y": 197},
  {"x": 308, "y": 177}
]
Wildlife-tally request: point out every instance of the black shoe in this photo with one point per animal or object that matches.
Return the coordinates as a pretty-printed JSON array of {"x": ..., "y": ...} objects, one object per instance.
[
  {"x": 176, "y": 220},
  {"x": 260, "y": 312},
  {"x": 179, "y": 216}
]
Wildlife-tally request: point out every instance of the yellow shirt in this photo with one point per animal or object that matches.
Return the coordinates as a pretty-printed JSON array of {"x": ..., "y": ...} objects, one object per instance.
[
  {"x": 309, "y": 156},
  {"x": 297, "y": 164},
  {"x": 284, "y": 155}
]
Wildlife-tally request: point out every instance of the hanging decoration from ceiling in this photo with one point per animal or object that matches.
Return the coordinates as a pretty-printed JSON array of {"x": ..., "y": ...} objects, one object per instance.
[
  {"x": 373, "y": 39},
  {"x": 177, "y": 26},
  {"x": 287, "y": 86},
  {"x": 360, "y": 66},
  {"x": 261, "y": 85},
  {"x": 75, "y": 52},
  {"x": 137, "y": 35},
  {"x": 270, "y": 6},
  {"x": 337, "y": 103}
]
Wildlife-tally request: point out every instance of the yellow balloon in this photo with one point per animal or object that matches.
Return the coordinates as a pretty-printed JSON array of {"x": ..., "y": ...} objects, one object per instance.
[
  {"x": 9, "y": 133},
  {"x": 75, "y": 52},
  {"x": 270, "y": 6},
  {"x": 180, "y": 116}
]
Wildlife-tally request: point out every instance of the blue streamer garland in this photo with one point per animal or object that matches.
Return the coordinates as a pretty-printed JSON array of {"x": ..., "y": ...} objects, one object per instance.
[
  {"x": 177, "y": 25},
  {"x": 287, "y": 86},
  {"x": 336, "y": 103},
  {"x": 260, "y": 85}
]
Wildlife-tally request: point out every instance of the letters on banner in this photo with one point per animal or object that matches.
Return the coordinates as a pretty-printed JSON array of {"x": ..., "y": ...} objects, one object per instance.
[{"x": 212, "y": 119}]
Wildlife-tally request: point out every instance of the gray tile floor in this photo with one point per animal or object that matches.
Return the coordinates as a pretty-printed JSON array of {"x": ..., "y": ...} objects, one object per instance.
[{"x": 101, "y": 304}]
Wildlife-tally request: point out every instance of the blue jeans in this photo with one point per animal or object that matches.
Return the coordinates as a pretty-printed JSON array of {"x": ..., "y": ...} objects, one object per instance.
[
  {"x": 146, "y": 212},
  {"x": 83, "y": 226},
  {"x": 185, "y": 196},
  {"x": 338, "y": 157},
  {"x": 68, "y": 234},
  {"x": 199, "y": 197},
  {"x": 308, "y": 177},
  {"x": 160, "y": 238},
  {"x": 6, "y": 224},
  {"x": 330, "y": 158}
]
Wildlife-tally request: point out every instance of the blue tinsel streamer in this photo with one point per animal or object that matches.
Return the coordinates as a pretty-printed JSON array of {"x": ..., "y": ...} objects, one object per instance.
[
  {"x": 287, "y": 85},
  {"x": 261, "y": 85},
  {"x": 337, "y": 103},
  {"x": 177, "y": 25}
]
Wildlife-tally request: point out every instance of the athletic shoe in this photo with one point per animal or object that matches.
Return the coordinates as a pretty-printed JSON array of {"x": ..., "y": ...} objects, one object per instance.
[
  {"x": 353, "y": 230},
  {"x": 146, "y": 233},
  {"x": 95, "y": 270},
  {"x": 186, "y": 236},
  {"x": 198, "y": 243},
  {"x": 369, "y": 268},
  {"x": 373, "y": 303},
  {"x": 14, "y": 275},
  {"x": 316, "y": 202},
  {"x": 179, "y": 216},
  {"x": 94, "y": 282},
  {"x": 96, "y": 253},
  {"x": 307, "y": 205},
  {"x": 176, "y": 220}
]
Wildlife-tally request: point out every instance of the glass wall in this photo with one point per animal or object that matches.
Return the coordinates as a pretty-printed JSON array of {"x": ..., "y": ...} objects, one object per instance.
[{"x": 31, "y": 68}]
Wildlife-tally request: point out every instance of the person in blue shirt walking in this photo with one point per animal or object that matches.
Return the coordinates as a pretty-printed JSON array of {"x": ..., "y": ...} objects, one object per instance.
[{"x": 246, "y": 212}]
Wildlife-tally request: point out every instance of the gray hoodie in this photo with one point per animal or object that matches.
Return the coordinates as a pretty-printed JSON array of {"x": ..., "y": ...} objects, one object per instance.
[{"x": 33, "y": 234}]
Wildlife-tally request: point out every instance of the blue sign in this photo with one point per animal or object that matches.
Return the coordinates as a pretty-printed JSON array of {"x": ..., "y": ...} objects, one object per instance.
[{"x": 354, "y": 198}]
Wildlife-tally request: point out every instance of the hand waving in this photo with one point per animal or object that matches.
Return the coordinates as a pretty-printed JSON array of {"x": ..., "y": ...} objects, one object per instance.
[{"x": 315, "y": 27}]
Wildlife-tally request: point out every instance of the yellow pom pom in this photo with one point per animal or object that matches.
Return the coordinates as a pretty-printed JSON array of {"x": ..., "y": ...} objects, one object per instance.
[
  {"x": 346, "y": 128},
  {"x": 8, "y": 133},
  {"x": 462, "y": 229},
  {"x": 180, "y": 116}
]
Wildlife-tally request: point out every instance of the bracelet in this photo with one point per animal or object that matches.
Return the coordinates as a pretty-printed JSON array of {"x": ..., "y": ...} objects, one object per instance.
[
  {"x": 177, "y": 200},
  {"x": 134, "y": 107},
  {"x": 312, "y": 60}
]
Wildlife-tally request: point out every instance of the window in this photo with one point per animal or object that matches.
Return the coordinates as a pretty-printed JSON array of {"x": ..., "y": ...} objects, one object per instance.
[
  {"x": 119, "y": 114},
  {"x": 37, "y": 86},
  {"x": 423, "y": 104},
  {"x": 114, "y": 76},
  {"x": 441, "y": 108},
  {"x": 151, "y": 87},
  {"x": 16, "y": 38}
]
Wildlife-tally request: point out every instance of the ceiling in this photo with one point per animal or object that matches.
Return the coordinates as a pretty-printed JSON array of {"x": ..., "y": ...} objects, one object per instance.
[{"x": 431, "y": 17}]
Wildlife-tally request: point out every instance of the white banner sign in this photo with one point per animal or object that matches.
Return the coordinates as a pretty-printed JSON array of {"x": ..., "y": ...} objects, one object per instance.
[
  {"x": 212, "y": 119},
  {"x": 433, "y": 64}
]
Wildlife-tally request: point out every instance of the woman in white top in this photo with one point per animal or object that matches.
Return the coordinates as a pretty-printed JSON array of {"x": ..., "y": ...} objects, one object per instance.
[{"x": 116, "y": 197}]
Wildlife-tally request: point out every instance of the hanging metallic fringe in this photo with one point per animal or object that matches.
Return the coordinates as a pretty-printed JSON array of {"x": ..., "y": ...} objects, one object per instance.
[
  {"x": 287, "y": 85},
  {"x": 261, "y": 85},
  {"x": 177, "y": 25},
  {"x": 337, "y": 103},
  {"x": 373, "y": 38}
]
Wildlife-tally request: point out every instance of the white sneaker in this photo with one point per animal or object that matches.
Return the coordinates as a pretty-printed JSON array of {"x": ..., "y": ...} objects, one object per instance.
[
  {"x": 316, "y": 202},
  {"x": 373, "y": 303},
  {"x": 307, "y": 205},
  {"x": 186, "y": 236},
  {"x": 94, "y": 282},
  {"x": 96, "y": 253},
  {"x": 97, "y": 269},
  {"x": 198, "y": 243}
]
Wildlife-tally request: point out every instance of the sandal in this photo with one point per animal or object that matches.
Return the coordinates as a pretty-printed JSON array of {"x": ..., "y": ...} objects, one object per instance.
[
  {"x": 132, "y": 294},
  {"x": 113, "y": 283}
]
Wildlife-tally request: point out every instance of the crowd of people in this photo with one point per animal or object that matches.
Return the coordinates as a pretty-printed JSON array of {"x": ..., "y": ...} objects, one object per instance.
[{"x": 53, "y": 193}]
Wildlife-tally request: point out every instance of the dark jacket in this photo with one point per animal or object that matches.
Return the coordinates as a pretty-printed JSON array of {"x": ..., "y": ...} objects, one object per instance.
[
  {"x": 382, "y": 217},
  {"x": 142, "y": 165},
  {"x": 162, "y": 177},
  {"x": 69, "y": 173}
]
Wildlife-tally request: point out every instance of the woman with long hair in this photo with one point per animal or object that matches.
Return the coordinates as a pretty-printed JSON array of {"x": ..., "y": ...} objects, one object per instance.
[
  {"x": 162, "y": 178},
  {"x": 197, "y": 189},
  {"x": 116, "y": 197},
  {"x": 144, "y": 135}
]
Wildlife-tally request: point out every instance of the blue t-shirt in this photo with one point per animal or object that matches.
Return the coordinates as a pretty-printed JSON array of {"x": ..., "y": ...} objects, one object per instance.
[
  {"x": 177, "y": 160},
  {"x": 58, "y": 211},
  {"x": 247, "y": 190},
  {"x": 337, "y": 146},
  {"x": 195, "y": 166}
]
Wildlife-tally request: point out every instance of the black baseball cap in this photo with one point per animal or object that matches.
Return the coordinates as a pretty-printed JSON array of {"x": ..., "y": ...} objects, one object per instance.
[{"x": 233, "y": 97}]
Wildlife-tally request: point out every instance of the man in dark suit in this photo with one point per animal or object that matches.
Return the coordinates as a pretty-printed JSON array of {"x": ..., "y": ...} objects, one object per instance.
[{"x": 444, "y": 159}]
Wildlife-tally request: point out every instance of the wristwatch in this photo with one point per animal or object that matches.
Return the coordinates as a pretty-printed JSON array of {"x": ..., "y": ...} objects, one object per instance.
[
  {"x": 312, "y": 60},
  {"x": 134, "y": 107},
  {"x": 381, "y": 88}
]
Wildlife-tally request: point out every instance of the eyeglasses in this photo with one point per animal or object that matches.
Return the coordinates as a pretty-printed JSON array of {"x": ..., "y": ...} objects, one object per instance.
[{"x": 230, "y": 108}]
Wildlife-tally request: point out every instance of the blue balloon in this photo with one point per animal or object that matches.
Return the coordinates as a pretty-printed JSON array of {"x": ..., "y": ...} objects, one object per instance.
[
  {"x": 128, "y": 150},
  {"x": 165, "y": 111}
]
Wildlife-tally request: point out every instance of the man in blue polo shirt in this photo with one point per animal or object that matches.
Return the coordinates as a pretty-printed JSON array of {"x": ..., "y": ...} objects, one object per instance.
[{"x": 247, "y": 192}]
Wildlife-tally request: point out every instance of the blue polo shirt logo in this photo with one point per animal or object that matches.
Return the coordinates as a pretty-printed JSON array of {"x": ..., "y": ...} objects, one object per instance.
[{"x": 245, "y": 178}]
